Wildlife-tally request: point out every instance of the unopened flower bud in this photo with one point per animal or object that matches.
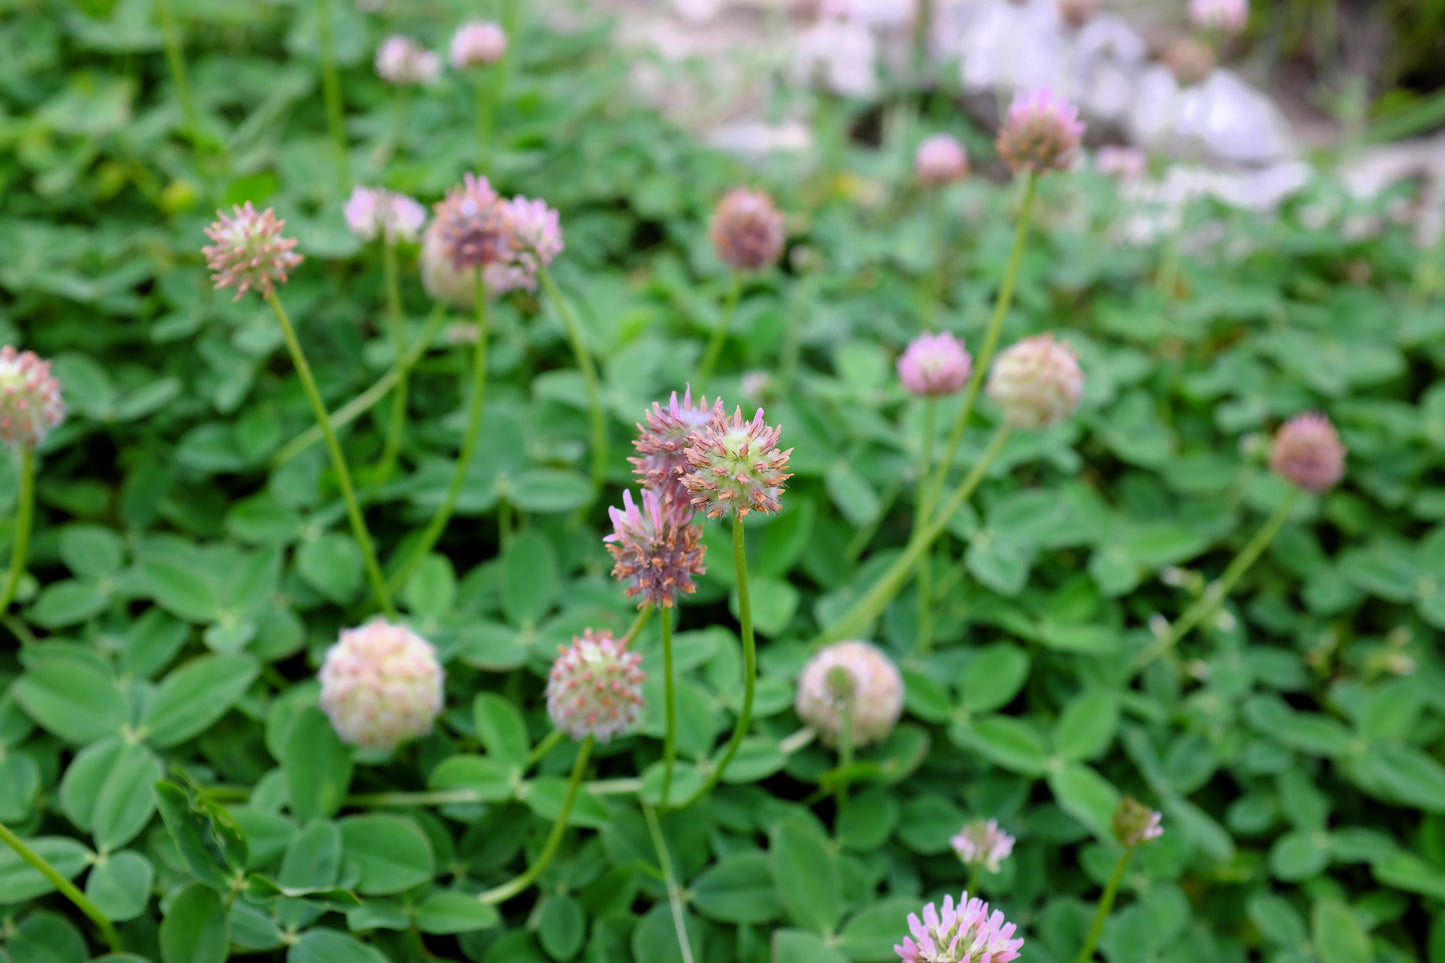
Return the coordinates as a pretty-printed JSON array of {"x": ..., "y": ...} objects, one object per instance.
[
  {"x": 934, "y": 365},
  {"x": 1307, "y": 453},
  {"x": 1135, "y": 823},
  {"x": 595, "y": 687},
  {"x": 747, "y": 230},
  {"x": 478, "y": 44},
  {"x": 381, "y": 685},
  {"x": 1037, "y": 382},
  {"x": 30, "y": 404},
  {"x": 940, "y": 159},
  {"x": 1040, "y": 134},
  {"x": 871, "y": 693}
]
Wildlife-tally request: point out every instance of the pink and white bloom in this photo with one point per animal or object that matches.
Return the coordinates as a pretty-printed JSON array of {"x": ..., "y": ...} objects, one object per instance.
[
  {"x": 30, "y": 404},
  {"x": 940, "y": 159},
  {"x": 536, "y": 239},
  {"x": 966, "y": 933},
  {"x": 661, "y": 444},
  {"x": 249, "y": 251},
  {"x": 1037, "y": 382},
  {"x": 1041, "y": 133},
  {"x": 1122, "y": 163},
  {"x": 401, "y": 60},
  {"x": 381, "y": 685},
  {"x": 747, "y": 230},
  {"x": 1226, "y": 16},
  {"x": 595, "y": 687},
  {"x": 934, "y": 365},
  {"x": 983, "y": 844},
  {"x": 1307, "y": 453},
  {"x": 854, "y": 678},
  {"x": 375, "y": 211},
  {"x": 478, "y": 44},
  {"x": 655, "y": 552},
  {"x": 736, "y": 465}
]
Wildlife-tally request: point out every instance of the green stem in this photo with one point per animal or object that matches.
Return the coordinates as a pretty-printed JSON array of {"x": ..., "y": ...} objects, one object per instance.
[
  {"x": 638, "y": 624},
  {"x": 939, "y": 216},
  {"x": 1216, "y": 593},
  {"x": 921, "y": 516},
  {"x": 486, "y": 110},
  {"x": 394, "y": 428},
  {"x": 67, "y": 889},
  {"x": 398, "y": 119},
  {"x": 331, "y": 91},
  {"x": 674, "y": 893},
  {"x": 974, "y": 875},
  {"x": 589, "y": 378},
  {"x": 548, "y": 743},
  {"x": 990, "y": 338},
  {"x": 338, "y": 459},
  {"x": 364, "y": 402},
  {"x": 462, "y": 797},
  {"x": 669, "y": 739},
  {"x": 872, "y": 603},
  {"x": 500, "y": 894},
  {"x": 469, "y": 446},
  {"x": 845, "y": 754},
  {"x": 24, "y": 518},
  {"x": 720, "y": 333},
  {"x": 750, "y": 664},
  {"x": 1106, "y": 903},
  {"x": 176, "y": 59}
]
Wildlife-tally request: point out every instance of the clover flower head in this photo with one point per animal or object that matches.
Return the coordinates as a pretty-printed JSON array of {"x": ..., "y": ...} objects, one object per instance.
[
  {"x": 1226, "y": 16},
  {"x": 661, "y": 461},
  {"x": 983, "y": 844},
  {"x": 1307, "y": 453},
  {"x": 595, "y": 687},
  {"x": 747, "y": 230},
  {"x": 474, "y": 227},
  {"x": 1190, "y": 60},
  {"x": 966, "y": 933},
  {"x": 401, "y": 60},
  {"x": 1135, "y": 823},
  {"x": 1121, "y": 163},
  {"x": 478, "y": 44},
  {"x": 652, "y": 551},
  {"x": 1041, "y": 132},
  {"x": 30, "y": 404},
  {"x": 934, "y": 365},
  {"x": 248, "y": 251},
  {"x": 1037, "y": 382},
  {"x": 381, "y": 685},
  {"x": 735, "y": 465},
  {"x": 940, "y": 159},
  {"x": 536, "y": 239},
  {"x": 375, "y": 211},
  {"x": 852, "y": 677}
]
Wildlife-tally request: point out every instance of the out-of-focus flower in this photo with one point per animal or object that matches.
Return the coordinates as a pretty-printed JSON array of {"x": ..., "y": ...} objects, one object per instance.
[
  {"x": 661, "y": 445},
  {"x": 1307, "y": 453},
  {"x": 381, "y": 685},
  {"x": 1135, "y": 823},
  {"x": 653, "y": 551},
  {"x": 983, "y": 844},
  {"x": 852, "y": 677},
  {"x": 30, "y": 404},
  {"x": 474, "y": 227},
  {"x": 934, "y": 365},
  {"x": 940, "y": 159},
  {"x": 478, "y": 44},
  {"x": 1227, "y": 16},
  {"x": 747, "y": 230},
  {"x": 1076, "y": 13},
  {"x": 1037, "y": 382},
  {"x": 536, "y": 238},
  {"x": 966, "y": 933},
  {"x": 1123, "y": 163},
  {"x": 373, "y": 211},
  {"x": 735, "y": 465},
  {"x": 595, "y": 687},
  {"x": 249, "y": 251},
  {"x": 1040, "y": 134},
  {"x": 756, "y": 384},
  {"x": 1190, "y": 60},
  {"x": 401, "y": 60}
]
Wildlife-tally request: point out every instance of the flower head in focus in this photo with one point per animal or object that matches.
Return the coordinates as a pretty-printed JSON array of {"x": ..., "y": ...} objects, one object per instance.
[
  {"x": 1225, "y": 16},
  {"x": 1307, "y": 453},
  {"x": 966, "y": 933},
  {"x": 595, "y": 687},
  {"x": 653, "y": 550},
  {"x": 1037, "y": 382},
  {"x": 374, "y": 211},
  {"x": 536, "y": 238},
  {"x": 747, "y": 230},
  {"x": 30, "y": 404},
  {"x": 735, "y": 465},
  {"x": 940, "y": 159},
  {"x": 1135, "y": 823},
  {"x": 661, "y": 460},
  {"x": 478, "y": 44},
  {"x": 934, "y": 365},
  {"x": 381, "y": 685},
  {"x": 983, "y": 844},
  {"x": 401, "y": 60},
  {"x": 248, "y": 251},
  {"x": 852, "y": 677},
  {"x": 474, "y": 227},
  {"x": 1041, "y": 133}
]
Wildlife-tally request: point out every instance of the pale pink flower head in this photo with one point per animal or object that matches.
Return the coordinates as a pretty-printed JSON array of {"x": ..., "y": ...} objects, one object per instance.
[
  {"x": 1225, "y": 16},
  {"x": 381, "y": 685},
  {"x": 1190, "y": 60},
  {"x": 940, "y": 159},
  {"x": 478, "y": 44},
  {"x": 966, "y": 933},
  {"x": 661, "y": 461},
  {"x": 934, "y": 365},
  {"x": 1136, "y": 823},
  {"x": 536, "y": 239},
  {"x": 373, "y": 212},
  {"x": 1037, "y": 382},
  {"x": 595, "y": 687},
  {"x": 983, "y": 844},
  {"x": 653, "y": 552},
  {"x": 854, "y": 678},
  {"x": 1307, "y": 453},
  {"x": 30, "y": 404},
  {"x": 747, "y": 230},
  {"x": 401, "y": 60},
  {"x": 1121, "y": 163},
  {"x": 474, "y": 227},
  {"x": 735, "y": 465},
  {"x": 1040, "y": 134},
  {"x": 249, "y": 251}
]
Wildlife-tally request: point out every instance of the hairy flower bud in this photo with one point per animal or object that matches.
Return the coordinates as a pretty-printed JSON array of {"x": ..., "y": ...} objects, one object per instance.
[
  {"x": 595, "y": 687},
  {"x": 735, "y": 464},
  {"x": 1135, "y": 823},
  {"x": 934, "y": 365},
  {"x": 966, "y": 933},
  {"x": 940, "y": 159},
  {"x": 1040, "y": 134},
  {"x": 375, "y": 211},
  {"x": 381, "y": 685},
  {"x": 661, "y": 460},
  {"x": 1307, "y": 453},
  {"x": 30, "y": 404},
  {"x": 249, "y": 251},
  {"x": 852, "y": 677},
  {"x": 654, "y": 551},
  {"x": 1037, "y": 382},
  {"x": 983, "y": 844},
  {"x": 747, "y": 230},
  {"x": 401, "y": 60},
  {"x": 478, "y": 44}
]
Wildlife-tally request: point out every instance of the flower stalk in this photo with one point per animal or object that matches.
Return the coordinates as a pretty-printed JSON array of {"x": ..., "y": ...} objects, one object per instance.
[
  {"x": 391, "y": 448},
  {"x": 331, "y": 92},
  {"x": 65, "y": 886},
  {"x": 24, "y": 519},
  {"x": 1106, "y": 903},
  {"x": 669, "y": 739},
  {"x": 504, "y": 892},
  {"x": 669, "y": 878},
  {"x": 589, "y": 378},
  {"x": 922, "y": 514}
]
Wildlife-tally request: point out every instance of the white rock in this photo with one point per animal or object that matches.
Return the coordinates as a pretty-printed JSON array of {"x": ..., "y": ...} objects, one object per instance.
[{"x": 1223, "y": 119}]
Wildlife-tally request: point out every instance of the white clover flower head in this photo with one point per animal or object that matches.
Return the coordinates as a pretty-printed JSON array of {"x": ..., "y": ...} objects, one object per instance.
[
  {"x": 401, "y": 60},
  {"x": 30, "y": 403},
  {"x": 536, "y": 239},
  {"x": 478, "y": 44},
  {"x": 373, "y": 212},
  {"x": 853, "y": 677},
  {"x": 381, "y": 685},
  {"x": 1226, "y": 16},
  {"x": 595, "y": 687},
  {"x": 983, "y": 844},
  {"x": 940, "y": 159},
  {"x": 1037, "y": 382}
]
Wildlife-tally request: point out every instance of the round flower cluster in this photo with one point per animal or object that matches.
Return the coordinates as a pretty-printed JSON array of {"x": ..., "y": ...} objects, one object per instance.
[
  {"x": 595, "y": 687},
  {"x": 30, "y": 404},
  {"x": 401, "y": 60},
  {"x": 983, "y": 844},
  {"x": 940, "y": 159},
  {"x": 249, "y": 251},
  {"x": 1227, "y": 16},
  {"x": 478, "y": 44},
  {"x": 736, "y": 465},
  {"x": 661, "y": 461},
  {"x": 654, "y": 550},
  {"x": 375, "y": 211},
  {"x": 1135, "y": 823},
  {"x": 536, "y": 239},
  {"x": 1040, "y": 134},
  {"x": 1036, "y": 382},
  {"x": 854, "y": 677},
  {"x": 934, "y": 365},
  {"x": 381, "y": 685},
  {"x": 1307, "y": 453},
  {"x": 510, "y": 241},
  {"x": 473, "y": 225},
  {"x": 747, "y": 230},
  {"x": 966, "y": 933}
]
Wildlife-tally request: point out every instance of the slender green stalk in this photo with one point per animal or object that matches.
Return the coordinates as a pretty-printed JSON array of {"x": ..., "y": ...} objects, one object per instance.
[
  {"x": 750, "y": 664},
  {"x": 934, "y": 308},
  {"x": 364, "y": 402},
  {"x": 548, "y": 743},
  {"x": 338, "y": 459},
  {"x": 66, "y": 888},
  {"x": 638, "y": 624},
  {"x": 331, "y": 91},
  {"x": 439, "y": 521},
  {"x": 504, "y": 523},
  {"x": 674, "y": 893},
  {"x": 1216, "y": 593},
  {"x": 589, "y": 378},
  {"x": 720, "y": 333},
  {"x": 24, "y": 518},
  {"x": 845, "y": 754},
  {"x": 974, "y": 877},
  {"x": 990, "y": 337},
  {"x": 1106, "y": 903},
  {"x": 176, "y": 60},
  {"x": 669, "y": 739},
  {"x": 462, "y": 797},
  {"x": 486, "y": 82},
  {"x": 921, "y": 517},
  {"x": 872, "y": 603},
  {"x": 395, "y": 426},
  {"x": 500, "y": 894}
]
